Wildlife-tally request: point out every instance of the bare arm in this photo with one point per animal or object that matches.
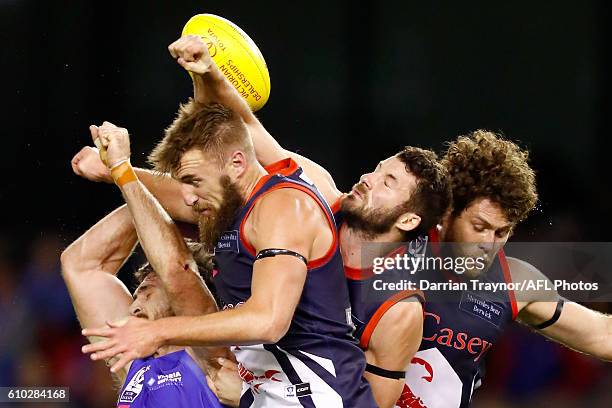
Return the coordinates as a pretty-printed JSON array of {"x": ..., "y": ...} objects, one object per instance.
[
  {"x": 87, "y": 164},
  {"x": 167, "y": 253},
  {"x": 276, "y": 288},
  {"x": 394, "y": 342},
  {"x": 161, "y": 241},
  {"x": 210, "y": 85},
  {"x": 89, "y": 268},
  {"x": 578, "y": 327}
]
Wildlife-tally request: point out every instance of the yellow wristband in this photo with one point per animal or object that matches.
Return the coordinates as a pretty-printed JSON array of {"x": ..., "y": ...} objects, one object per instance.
[{"x": 123, "y": 174}]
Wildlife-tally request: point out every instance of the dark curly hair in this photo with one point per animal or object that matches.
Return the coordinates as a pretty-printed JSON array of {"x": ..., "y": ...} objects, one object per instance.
[
  {"x": 483, "y": 164},
  {"x": 432, "y": 195}
]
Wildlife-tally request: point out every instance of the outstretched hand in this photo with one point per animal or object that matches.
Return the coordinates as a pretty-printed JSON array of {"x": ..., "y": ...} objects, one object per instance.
[{"x": 128, "y": 339}]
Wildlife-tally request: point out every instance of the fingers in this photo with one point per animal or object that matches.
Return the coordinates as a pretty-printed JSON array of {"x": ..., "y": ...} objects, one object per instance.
[
  {"x": 108, "y": 354},
  {"x": 97, "y": 347},
  {"x": 107, "y": 132},
  {"x": 94, "y": 132},
  {"x": 98, "y": 331},
  {"x": 190, "y": 48},
  {"x": 75, "y": 163},
  {"x": 121, "y": 363},
  {"x": 117, "y": 323},
  {"x": 172, "y": 48}
]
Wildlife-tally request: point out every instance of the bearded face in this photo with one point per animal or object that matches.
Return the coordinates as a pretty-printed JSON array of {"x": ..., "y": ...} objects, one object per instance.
[
  {"x": 370, "y": 222},
  {"x": 213, "y": 221}
]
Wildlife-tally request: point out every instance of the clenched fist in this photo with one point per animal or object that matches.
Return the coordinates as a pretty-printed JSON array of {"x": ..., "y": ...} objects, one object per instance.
[
  {"x": 87, "y": 164},
  {"x": 192, "y": 54},
  {"x": 114, "y": 140}
]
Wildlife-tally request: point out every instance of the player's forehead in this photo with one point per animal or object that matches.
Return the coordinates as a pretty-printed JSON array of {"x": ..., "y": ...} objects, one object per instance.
[
  {"x": 150, "y": 282},
  {"x": 194, "y": 162},
  {"x": 489, "y": 212},
  {"x": 396, "y": 168}
]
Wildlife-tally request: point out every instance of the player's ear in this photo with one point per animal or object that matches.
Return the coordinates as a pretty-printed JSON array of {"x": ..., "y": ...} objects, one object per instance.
[
  {"x": 408, "y": 221},
  {"x": 237, "y": 164}
]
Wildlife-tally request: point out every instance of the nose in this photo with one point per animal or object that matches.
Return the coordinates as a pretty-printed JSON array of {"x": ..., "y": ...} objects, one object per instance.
[
  {"x": 367, "y": 180},
  {"x": 135, "y": 309},
  {"x": 189, "y": 197},
  {"x": 489, "y": 242}
]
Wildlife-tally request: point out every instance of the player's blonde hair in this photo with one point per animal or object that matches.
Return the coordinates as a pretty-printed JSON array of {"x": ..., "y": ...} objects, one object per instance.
[{"x": 212, "y": 127}]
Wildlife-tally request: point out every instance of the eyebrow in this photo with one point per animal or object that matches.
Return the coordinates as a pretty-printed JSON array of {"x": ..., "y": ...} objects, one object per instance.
[
  {"x": 140, "y": 289},
  {"x": 488, "y": 224},
  {"x": 186, "y": 179}
]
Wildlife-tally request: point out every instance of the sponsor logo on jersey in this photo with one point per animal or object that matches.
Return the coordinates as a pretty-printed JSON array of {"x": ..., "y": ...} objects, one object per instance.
[
  {"x": 228, "y": 242},
  {"x": 175, "y": 378},
  {"x": 232, "y": 305},
  {"x": 409, "y": 400},
  {"x": 134, "y": 387},
  {"x": 298, "y": 390},
  {"x": 256, "y": 381},
  {"x": 482, "y": 308},
  {"x": 451, "y": 338}
]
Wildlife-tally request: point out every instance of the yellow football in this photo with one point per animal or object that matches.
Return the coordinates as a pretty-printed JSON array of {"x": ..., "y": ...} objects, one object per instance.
[{"x": 235, "y": 54}]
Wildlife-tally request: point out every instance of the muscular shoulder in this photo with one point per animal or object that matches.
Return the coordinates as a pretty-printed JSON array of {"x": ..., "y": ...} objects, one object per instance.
[
  {"x": 284, "y": 214},
  {"x": 399, "y": 324},
  {"x": 522, "y": 271}
]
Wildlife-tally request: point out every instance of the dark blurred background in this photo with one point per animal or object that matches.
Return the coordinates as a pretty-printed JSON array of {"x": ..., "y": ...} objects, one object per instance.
[{"x": 352, "y": 82}]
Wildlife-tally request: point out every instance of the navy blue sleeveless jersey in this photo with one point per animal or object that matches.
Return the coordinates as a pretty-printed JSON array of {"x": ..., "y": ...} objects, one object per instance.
[
  {"x": 457, "y": 335},
  {"x": 317, "y": 363},
  {"x": 172, "y": 380},
  {"x": 368, "y": 307},
  {"x": 458, "y": 329}
]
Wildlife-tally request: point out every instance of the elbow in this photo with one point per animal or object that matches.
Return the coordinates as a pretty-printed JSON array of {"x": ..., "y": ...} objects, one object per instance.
[
  {"x": 68, "y": 262},
  {"x": 274, "y": 329}
]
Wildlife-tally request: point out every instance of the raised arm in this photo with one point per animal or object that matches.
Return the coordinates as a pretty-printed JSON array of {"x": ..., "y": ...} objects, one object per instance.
[
  {"x": 265, "y": 317},
  {"x": 87, "y": 164},
  {"x": 577, "y": 327},
  {"x": 89, "y": 268},
  {"x": 210, "y": 85},
  {"x": 159, "y": 237}
]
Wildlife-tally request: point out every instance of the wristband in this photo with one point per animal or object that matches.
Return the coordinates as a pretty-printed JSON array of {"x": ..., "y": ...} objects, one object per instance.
[{"x": 123, "y": 173}]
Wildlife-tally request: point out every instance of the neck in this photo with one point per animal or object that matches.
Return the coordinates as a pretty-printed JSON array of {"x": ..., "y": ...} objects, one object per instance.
[
  {"x": 252, "y": 175},
  {"x": 355, "y": 248}
]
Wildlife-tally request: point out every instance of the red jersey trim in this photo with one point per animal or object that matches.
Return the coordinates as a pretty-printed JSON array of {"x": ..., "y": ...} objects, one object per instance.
[
  {"x": 335, "y": 207},
  {"x": 311, "y": 264},
  {"x": 508, "y": 278},
  {"x": 284, "y": 167},
  {"x": 364, "y": 342},
  {"x": 357, "y": 274}
]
